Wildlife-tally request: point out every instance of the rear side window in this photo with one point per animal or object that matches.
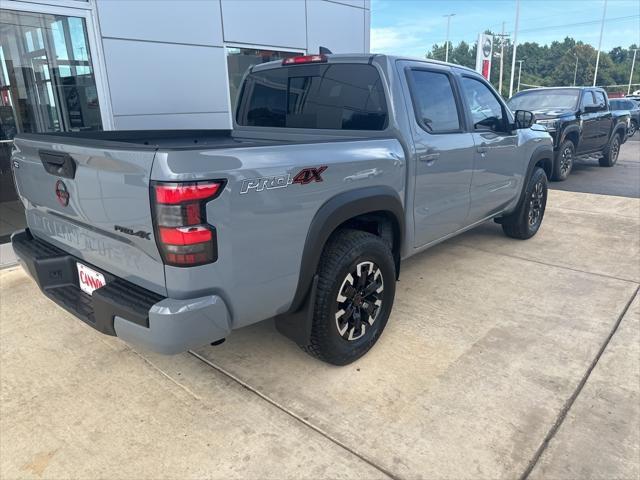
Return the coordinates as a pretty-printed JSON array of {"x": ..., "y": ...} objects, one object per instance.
[
  {"x": 434, "y": 101},
  {"x": 331, "y": 96}
]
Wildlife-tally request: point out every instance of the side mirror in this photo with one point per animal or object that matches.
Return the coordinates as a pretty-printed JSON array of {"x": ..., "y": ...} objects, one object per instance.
[
  {"x": 524, "y": 119},
  {"x": 592, "y": 108}
]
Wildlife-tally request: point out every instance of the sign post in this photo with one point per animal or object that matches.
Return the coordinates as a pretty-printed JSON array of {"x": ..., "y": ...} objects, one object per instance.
[{"x": 484, "y": 54}]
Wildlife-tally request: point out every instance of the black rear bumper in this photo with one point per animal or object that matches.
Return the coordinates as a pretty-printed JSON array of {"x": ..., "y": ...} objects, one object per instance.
[{"x": 56, "y": 273}]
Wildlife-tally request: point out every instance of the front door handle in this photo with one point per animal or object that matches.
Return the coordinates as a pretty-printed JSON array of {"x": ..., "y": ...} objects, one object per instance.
[{"x": 429, "y": 158}]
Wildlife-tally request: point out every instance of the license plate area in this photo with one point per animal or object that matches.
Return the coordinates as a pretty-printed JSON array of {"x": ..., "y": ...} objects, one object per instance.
[{"x": 89, "y": 279}]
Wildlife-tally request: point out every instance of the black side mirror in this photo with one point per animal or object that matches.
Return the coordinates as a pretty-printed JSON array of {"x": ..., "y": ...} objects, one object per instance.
[
  {"x": 592, "y": 108},
  {"x": 524, "y": 119}
]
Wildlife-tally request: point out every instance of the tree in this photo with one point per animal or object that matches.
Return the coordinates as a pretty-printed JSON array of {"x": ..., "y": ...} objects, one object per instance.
[{"x": 549, "y": 65}]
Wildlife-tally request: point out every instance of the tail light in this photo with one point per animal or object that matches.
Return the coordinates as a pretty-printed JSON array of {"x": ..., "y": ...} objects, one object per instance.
[{"x": 184, "y": 237}]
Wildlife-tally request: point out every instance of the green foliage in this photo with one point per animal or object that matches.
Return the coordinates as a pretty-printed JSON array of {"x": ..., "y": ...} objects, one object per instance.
[{"x": 550, "y": 65}]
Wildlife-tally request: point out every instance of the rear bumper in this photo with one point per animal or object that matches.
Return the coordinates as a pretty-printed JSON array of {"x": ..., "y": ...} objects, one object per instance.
[{"x": 121, "y": 308}]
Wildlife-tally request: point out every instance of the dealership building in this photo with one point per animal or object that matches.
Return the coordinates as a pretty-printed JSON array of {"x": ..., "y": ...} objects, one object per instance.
[{"x": 72, "y": 65}]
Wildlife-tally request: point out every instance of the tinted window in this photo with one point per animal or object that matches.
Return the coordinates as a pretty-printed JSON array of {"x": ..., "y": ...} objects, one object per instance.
[
  {"x": 334, "y": 96},
  {"x": 544, "y": 99},
  {"x": 434, "y": 102},
  {"x": 239, "y": 60},
  {"x": 486, "y": 110},
  {"x": 600, "y": 100},
  {"x": 588, "y": 99}
]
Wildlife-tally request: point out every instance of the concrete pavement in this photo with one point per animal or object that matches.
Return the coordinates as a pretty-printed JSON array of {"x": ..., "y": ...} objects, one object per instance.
[{"x": 489, "y": 341}]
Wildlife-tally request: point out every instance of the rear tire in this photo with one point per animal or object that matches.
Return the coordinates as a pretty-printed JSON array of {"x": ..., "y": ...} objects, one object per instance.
[
  {"x": 610, "y": 154},
  {"x": 564, "y": 161},
  {"x": 525, "y": 222},
  {"x": 356, "y": 289},
  {"x": 633, "y": 128}
]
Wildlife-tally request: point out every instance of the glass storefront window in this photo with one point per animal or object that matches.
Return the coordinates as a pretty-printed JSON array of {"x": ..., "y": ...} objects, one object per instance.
[
  {"x": 240, "y": 59},
  {"x": 47, "y": 84}
]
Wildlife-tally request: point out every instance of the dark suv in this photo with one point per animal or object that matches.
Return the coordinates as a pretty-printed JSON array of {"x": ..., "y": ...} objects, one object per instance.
[{"x": 580, "y": 121}]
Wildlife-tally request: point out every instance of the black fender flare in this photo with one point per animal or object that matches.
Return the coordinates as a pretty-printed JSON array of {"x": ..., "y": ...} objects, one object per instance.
[
  {"x": 541, "y": 152},
  {"x": 568, "y": 131},
  {"x": 295, "y": 323},
  {"x": 622, "y": 129}
]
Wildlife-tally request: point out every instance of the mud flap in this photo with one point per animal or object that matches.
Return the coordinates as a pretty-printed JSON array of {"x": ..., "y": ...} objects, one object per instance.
[{"x": 296, "y": 326}]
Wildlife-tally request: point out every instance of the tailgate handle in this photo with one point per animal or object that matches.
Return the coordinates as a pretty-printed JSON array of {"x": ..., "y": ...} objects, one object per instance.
[{"x": 58, "y": 163}]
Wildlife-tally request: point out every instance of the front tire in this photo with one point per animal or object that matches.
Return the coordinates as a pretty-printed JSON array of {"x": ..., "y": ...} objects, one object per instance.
[
  {"x": 610, "y": 154},
  {"x": 564, "y": 161},
  {"x": 356, "y": 289},
  {"x": 525, "y": 222}
]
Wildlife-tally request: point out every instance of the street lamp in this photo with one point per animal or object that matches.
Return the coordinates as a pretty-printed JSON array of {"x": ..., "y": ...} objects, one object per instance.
[
  {"x": 519, "y": 73},
  {"x": 575, "y": 71},
  {"x": 446, "y": 54}
]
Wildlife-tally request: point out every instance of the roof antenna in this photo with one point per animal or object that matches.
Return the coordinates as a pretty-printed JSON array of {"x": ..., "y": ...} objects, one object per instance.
[{"x": 325, "y": 51}]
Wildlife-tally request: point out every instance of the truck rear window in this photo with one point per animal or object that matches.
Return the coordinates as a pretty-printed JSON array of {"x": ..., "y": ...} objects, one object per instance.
[{"x": 332, "y": 96}]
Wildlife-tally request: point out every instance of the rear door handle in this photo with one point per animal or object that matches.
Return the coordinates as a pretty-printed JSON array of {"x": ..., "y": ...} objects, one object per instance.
[{"x": 482, "y": 148}]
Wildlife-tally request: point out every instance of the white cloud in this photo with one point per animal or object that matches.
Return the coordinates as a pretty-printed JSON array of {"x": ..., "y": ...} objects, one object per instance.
[{"x": 401, "y": 39}]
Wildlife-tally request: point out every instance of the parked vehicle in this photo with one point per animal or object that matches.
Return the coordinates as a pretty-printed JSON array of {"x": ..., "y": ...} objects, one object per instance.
[
  {"x": 633, "y": 109},
  {"x": 579, "y": 120},
  {"x": 171, "y": 239}
]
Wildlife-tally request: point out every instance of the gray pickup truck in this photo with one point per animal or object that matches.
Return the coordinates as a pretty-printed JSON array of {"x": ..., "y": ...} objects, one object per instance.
[{"x": 337, "y": 168}]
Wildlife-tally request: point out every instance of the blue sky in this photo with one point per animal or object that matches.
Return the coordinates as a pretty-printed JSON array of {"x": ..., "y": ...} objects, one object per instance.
[{"x": 411, "y": 27}]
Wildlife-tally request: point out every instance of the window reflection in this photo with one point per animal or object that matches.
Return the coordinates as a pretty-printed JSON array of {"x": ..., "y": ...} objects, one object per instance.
[
  {"x": 47, "y": 84},
  {"x": 240, "y": 59}
]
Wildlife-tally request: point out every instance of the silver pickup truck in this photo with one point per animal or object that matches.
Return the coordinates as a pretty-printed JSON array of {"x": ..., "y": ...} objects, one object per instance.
[{"x": 337, "y": 168}]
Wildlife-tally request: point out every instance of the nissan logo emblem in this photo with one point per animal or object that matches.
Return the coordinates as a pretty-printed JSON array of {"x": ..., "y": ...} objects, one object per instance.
[
  {"x": 62, "y": 194},
  {"x": 486, "y": 47}
]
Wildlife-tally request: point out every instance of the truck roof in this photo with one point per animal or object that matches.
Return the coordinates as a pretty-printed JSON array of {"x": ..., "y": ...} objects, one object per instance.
[{"x": 363, "y": 58}]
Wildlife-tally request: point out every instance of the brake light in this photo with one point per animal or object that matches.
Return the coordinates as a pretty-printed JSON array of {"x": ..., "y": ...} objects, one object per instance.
[
  {"x": 184, "y": 236},
  {"x": 304, "y": 59}
]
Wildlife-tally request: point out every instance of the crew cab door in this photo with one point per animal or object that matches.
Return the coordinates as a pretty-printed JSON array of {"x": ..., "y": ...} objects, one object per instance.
[
  {"x": 497, "y": 165},
  {"x": 590, "y": 121},
  {"x": 443, "y": 151}
]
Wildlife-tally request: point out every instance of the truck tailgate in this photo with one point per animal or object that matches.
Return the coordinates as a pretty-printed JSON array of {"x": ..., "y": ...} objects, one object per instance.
[{"x": 93, "y": 203}]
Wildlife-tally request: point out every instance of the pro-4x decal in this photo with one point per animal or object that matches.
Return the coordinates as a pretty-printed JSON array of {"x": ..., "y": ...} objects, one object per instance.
[{"x": 303, "y": 177}]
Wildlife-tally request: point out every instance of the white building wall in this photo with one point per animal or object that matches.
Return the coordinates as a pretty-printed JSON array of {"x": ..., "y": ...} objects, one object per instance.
[{"x": 166, "y": 62}]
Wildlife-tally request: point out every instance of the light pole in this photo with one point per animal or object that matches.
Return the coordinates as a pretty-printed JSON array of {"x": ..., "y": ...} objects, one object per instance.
[
  {"x": 633, "y": 64},
  {"x": 604, "y": 14},
  {"x": 446, "y": 50},
  {"x": 575, "y": 71},
  {"x": 502, "y": 37},
  {"x": 519, "y": 73},
  {"x": 515, "y": 47}
]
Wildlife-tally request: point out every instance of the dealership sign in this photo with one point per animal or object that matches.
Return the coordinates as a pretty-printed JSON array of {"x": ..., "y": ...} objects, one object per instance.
[{"x": 483, "y": 55}]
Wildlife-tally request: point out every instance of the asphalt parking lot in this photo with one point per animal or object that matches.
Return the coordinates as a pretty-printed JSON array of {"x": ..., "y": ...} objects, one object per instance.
[
  {"x": 502, "y": 359},
  {"x": 624, "y": 180}
]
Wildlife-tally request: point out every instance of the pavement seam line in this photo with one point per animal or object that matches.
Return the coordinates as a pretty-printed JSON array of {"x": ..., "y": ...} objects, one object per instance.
[
  {"x": 571, "y": 400},
  {"x": 162, "y": 372},
  {"x": 295, "y": 416},
  {"x": 540, "y": 262}
]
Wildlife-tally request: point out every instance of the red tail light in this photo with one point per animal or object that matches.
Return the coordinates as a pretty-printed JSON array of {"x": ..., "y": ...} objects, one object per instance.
[
  {"x": 304, "y": 59},
  {"x": 184, "y": 236}
]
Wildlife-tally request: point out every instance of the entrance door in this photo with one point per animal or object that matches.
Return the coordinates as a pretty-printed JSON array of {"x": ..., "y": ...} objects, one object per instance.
[{"x": 47, "y": 84}]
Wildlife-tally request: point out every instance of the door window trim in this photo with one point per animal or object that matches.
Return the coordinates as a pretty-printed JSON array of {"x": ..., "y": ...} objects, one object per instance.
[
  {"x": 507, "y": 119},
  {"x": 456, "y": 97}
]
